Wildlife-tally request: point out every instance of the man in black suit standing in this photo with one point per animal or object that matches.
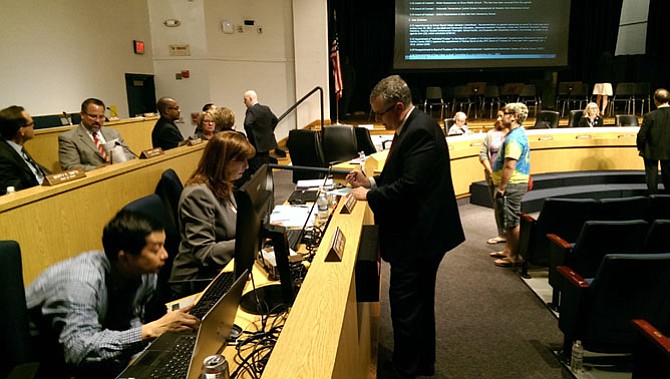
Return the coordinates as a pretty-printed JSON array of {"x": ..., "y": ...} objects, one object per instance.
[
  {"x": 415, "y": 207},
  {"x": 259, "y": 124},
  {"x": 166, "y": 134},
  {"x": 653, "y": 142},
  {"x": 17, "y": 168}
]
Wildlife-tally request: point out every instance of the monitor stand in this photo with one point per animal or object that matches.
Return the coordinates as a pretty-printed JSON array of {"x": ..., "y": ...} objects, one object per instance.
[{"x": 264, "y": 300}]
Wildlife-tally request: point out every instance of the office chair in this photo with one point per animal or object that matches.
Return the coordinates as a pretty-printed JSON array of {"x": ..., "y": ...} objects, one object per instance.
[
  {"x": 363, "y": 141},
  {"x": 575, "y": 116},
  {"x": 626, "y": 120},
  {"x": 169, "y": 189},
  {"x": 624, "y": 287},
  {"x": 16, "y": 346},
  {"x": 152, "y": 206},
  {"x": 339, "y": 143},
  {"x": 546, "y": 120},
  {"x": 305, "y": 149}
]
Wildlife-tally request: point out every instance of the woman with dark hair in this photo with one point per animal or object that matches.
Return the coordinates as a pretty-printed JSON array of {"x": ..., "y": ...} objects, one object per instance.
[{"x": 208, "y": 211}]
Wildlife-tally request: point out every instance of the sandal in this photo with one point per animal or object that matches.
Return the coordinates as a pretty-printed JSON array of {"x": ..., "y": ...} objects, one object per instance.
[
  {"x": 507, "y": 262},
  {"x": 495, "y": 240},
  {"x": 498, "y": 254}
]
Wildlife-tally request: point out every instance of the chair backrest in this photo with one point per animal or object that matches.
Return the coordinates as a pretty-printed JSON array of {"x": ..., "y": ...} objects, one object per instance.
[
  {"x": 169, "y": 189},
  {"x": 624, "y": 90},
  {"x": 656, "y": 240},
  {"x": 152, "y": 206},
  {"x": 575, "y": 116},
  {"x": 568, "y": 88},
  {"x": 433, "y": 93},
  {"x": 14, "y": 331},
  {"x": 561, "y": 216},
  {"x": 659, "y": 206},
  {"x": 599, "y": 238},
  {"x": 547, "y": 119},
  {"x": 626, "y": 287},
  {"x": 492, "y": 91},
  {"x": 528, "y": 91},
  {"x": 643, "y": 89},
  {"x": 626, "y": 120},
  {"x": 304, "y": 147},
  {"x": 478, "y": 88},
  {"x": 623, "y": 208},
  {"x": 462, "y": 92},
  {"x": 363, "y": 141},
  {"x": 339, "y": 143}
]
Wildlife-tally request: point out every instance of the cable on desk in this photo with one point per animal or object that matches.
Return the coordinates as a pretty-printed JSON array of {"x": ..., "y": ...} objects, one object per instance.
[{"x": 253, "y": 352}]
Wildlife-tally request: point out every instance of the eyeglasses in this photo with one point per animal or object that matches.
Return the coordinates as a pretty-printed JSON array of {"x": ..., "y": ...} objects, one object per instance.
[
  {"x": 509, "y": 112},
  {"x": 28, "y": 125},
  {"x": 382, "y": 113},
  {"x": 207, "y": 121},
  {"x": 95, "y": 116}
]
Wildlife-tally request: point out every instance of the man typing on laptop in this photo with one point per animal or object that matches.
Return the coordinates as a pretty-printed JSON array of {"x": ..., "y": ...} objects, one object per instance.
[{"x": 89, "y": 309}]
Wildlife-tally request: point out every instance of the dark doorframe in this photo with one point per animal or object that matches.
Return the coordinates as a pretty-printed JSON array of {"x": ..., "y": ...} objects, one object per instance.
[{"x": 141, "y": 93}]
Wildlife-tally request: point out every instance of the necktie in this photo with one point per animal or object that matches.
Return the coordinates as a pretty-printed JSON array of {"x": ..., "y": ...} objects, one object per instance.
[
  {"x": 35, "y": 166},
  {"x": 99, "y": 146}
]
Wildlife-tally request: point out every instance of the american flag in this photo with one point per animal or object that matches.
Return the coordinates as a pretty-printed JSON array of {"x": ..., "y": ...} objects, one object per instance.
[{"x": 337, "y": 70}]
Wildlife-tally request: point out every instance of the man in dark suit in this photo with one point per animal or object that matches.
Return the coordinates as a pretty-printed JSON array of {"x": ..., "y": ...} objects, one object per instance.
[
  {"x": 17, "y": 168},
  {"x": 166, "y": 134},
  {"x": 653, "y": 142},
  {"x": 259, "y": 124},
  {"x": 84, "y": 146},
  {"x": 415, "y": 207}
]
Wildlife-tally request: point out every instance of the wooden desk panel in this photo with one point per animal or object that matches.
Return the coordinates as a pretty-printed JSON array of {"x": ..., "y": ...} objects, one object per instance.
[
  {"x": 55, "y": 223},
  {"x": 136, "y": 133}
]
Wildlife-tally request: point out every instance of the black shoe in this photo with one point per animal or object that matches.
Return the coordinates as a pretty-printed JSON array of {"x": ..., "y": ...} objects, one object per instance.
[{"x": 280, "y": 153}]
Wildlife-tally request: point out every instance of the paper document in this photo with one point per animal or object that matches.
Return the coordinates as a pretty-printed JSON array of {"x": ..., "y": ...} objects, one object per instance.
[
  {"x": 292, "y": 216},
  {"x": 314, "y": 183}
]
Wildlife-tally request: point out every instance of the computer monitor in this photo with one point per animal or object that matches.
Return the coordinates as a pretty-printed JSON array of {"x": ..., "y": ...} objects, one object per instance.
[{"x": 255, "y": 201}]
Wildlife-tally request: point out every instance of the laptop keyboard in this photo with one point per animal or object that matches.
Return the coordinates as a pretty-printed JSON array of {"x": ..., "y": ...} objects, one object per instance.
[
  {"x": 213, "y": 293},
  {"x": 294, "y": 237},
  {"x": 176, "y": 364}
]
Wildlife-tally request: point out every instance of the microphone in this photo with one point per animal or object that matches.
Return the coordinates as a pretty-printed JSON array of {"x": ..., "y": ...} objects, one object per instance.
[
  {"x": 67, "y": 118},
  {"x": 311, "y": 209},
  {"x": 125, "y": 147}
]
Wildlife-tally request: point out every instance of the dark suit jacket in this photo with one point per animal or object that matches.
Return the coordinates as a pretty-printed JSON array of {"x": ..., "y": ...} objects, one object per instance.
[
  {"x": 259, "y": 124},
  {"x": 14, "y": 171},
  {"x": 653, "y": 139},
  {"x": 77, "y": 150},
  {"x": 414, "y": 203},
  {"x": 165, "y": 135}
]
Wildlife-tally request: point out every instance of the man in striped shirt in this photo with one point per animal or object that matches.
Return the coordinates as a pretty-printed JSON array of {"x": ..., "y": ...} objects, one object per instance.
[{"x": 89, "y": 309}]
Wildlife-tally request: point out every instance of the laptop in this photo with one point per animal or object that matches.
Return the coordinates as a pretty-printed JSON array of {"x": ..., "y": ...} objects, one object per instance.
[{"x": 181, "y": 355}]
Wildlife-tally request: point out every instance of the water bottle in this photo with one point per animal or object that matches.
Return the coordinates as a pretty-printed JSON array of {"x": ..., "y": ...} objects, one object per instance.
[
  {"x": 10, "y": 190},
  {"x": 577, "y": 358},
  {"x": 322, "y": 204}
]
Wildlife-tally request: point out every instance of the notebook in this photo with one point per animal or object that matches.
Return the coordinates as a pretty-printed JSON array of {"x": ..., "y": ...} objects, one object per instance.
[{"x": 181, "y": 355}]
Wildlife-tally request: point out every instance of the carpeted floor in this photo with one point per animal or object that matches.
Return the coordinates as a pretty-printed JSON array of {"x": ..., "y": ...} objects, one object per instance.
[{"x": 489, "y": 323}]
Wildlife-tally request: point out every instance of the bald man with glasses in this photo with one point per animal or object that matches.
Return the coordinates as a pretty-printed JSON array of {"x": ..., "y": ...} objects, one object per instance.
[{"x": 83, "y": 146}]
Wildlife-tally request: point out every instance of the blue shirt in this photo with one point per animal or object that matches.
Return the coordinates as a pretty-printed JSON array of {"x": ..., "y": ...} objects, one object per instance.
[
  {"x": 515, "y": 147},
  {"x": 73, "y": 298}
]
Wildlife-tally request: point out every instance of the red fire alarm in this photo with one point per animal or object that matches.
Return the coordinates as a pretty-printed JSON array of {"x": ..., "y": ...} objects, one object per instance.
[
  {"x": 138, "y": 47},
  {"x": 185, "y": 74}
]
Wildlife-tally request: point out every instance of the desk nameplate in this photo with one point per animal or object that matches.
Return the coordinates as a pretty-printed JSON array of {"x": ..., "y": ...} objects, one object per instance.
[
  {"x": 63, "y": 177},
  {"x": 336, "y": 248},
  {"x": 151, "y": 153},
  {"x": 349, "y": 204}
]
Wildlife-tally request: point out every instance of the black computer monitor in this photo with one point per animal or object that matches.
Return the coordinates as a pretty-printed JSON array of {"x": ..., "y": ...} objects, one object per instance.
[{"x": 255, "y": 201}]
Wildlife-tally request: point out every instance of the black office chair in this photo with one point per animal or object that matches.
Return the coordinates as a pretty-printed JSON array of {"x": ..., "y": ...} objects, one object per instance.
[
  {"x": 16, "y": 346},
  {"x": 305, "y": 149},
  {"x": 626, "y": 120},
  {"x": 625, "y": 287},
  {"x": 363, "y": 141},
  {"x": 152, "y": 206},
  {"x": 169, "y": 189},
  {"x": 575, "y": 116},
  {"x": 546, "y": 120},
  {"x": 339, "y": 143}
]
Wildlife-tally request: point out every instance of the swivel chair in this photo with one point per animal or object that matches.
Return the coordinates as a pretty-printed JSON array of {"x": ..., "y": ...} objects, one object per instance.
[
  {"x": 169, "y": 189},
  {"x": 364, "y": 141},
  {"x": 546, "y": 120},
  {"x": 626, "y": 120},
  {"x": 305, "y": 150},
  {"x": 339, "y": 143},
  {"x": 575, "y": 116}
]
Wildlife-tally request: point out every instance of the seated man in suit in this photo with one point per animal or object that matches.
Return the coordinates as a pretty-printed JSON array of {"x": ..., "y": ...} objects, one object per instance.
[
  {"x": 166, "y": 134},
  {"x": 17, "y": 167},
  {"x": 90, "y": 308},
  {"x": 84, "y": 146}
]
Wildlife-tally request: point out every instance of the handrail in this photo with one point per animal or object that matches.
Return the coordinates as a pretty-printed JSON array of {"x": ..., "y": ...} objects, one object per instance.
[{"x": 294, "y": 106}]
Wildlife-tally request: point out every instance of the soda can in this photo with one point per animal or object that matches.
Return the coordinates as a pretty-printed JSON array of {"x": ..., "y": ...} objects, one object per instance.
[{"x": 215, "y": 367}]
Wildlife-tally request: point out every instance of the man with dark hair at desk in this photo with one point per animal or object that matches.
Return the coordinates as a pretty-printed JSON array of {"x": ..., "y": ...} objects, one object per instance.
[
  {"x": 259, "y": 124},
  {"x": 84, "y": 146},
  {"x": 166, "y": 134},
  {"x": 17, "y": 167},
  {"x": 90, "y": 307},
  {"x": 653, "y": 142},
  {"x": 415, "y": 207}
]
